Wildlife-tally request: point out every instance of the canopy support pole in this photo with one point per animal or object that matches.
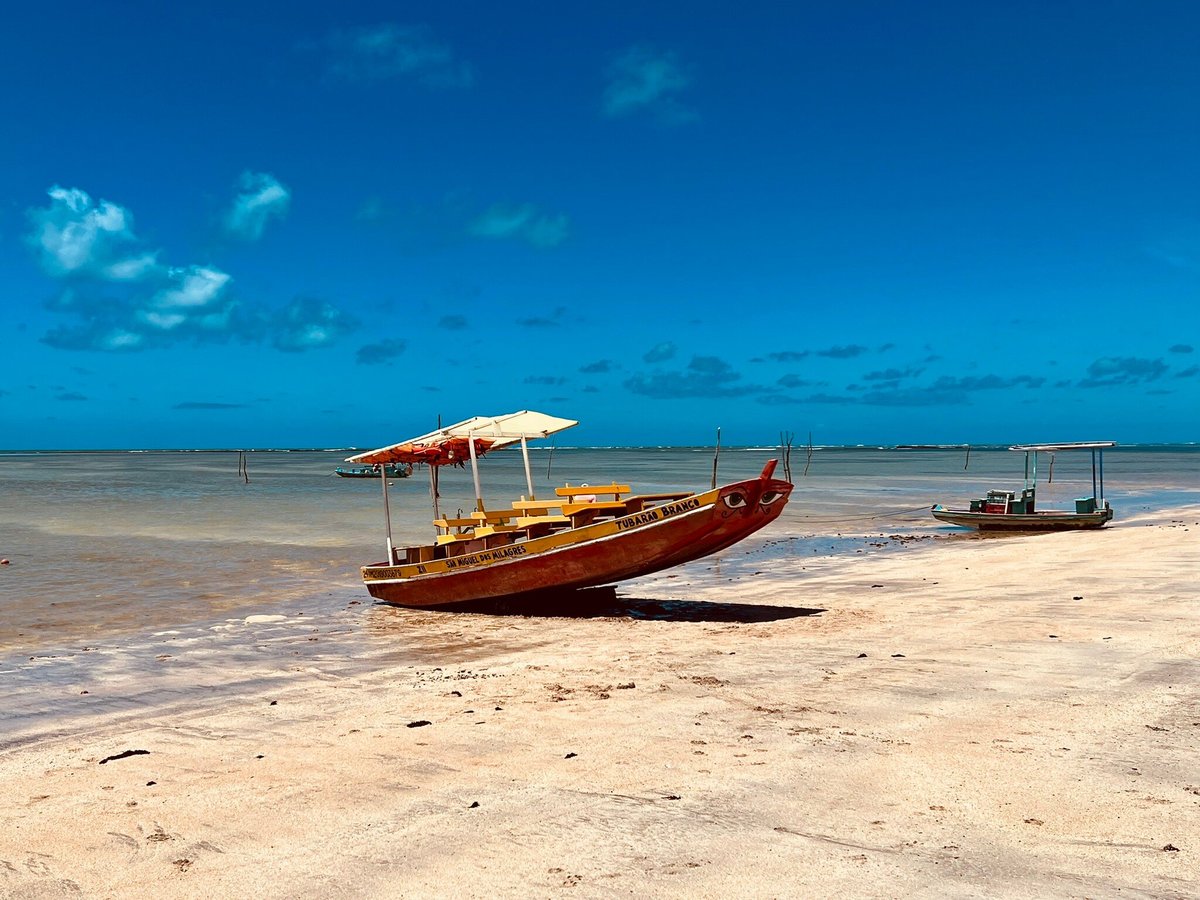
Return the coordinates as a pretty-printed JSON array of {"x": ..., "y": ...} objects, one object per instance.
[
  {"x": 475, "y": 471},
  {"x": 387, "y": 514},
  {"x": 528, "y": 474},
  {"x": 433, "y": 490}
]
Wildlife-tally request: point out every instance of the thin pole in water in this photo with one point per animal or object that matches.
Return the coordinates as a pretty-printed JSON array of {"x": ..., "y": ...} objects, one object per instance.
[
  {"x": 435, "y": 478},
  {"x": 716, "y": 456}
]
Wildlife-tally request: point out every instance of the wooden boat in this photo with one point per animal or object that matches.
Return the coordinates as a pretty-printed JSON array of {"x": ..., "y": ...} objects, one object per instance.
[
  {"x": 583, "y": 537},
  {"x": 396, "y": 470},
  {"x": 1004, "y": 511}
]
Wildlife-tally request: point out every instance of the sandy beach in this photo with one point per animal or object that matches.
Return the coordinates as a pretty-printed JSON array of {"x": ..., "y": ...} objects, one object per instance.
[{"x": 964, "y": 717}]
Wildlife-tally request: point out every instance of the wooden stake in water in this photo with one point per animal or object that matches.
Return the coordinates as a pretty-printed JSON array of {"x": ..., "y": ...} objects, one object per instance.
[
  {"x": 716, "y": 456},
  {"x": 435, "y": 478}
]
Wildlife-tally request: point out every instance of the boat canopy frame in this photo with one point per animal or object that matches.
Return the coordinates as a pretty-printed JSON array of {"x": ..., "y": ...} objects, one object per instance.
[
  {"x": 1097, "y": 449},
  {"x": 480, "y": 434}
]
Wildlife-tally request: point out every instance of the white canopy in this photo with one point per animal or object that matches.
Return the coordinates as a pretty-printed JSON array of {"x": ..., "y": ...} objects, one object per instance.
[
  {"x": 1077, "y": 445},
  {"x": 486, "y": 433}
]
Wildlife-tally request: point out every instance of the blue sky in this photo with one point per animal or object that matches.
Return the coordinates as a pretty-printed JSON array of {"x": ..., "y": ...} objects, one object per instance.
[{"x": 315, "y": 224}]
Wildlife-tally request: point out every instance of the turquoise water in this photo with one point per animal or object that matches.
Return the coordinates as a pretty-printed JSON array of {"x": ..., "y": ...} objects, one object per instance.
[{"x": 122, "y": 543}]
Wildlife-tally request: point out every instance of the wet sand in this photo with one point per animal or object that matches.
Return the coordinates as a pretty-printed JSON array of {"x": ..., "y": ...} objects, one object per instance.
[{"x": 1001, "y": 717}]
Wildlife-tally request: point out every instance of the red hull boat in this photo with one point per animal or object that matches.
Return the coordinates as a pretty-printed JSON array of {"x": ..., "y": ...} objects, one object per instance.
[
  {"x": 616, "y": 549},
  {"x": 574, "y": 541}
]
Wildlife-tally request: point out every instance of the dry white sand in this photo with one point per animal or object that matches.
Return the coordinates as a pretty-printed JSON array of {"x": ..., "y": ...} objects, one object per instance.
[{"x": 1007, "y": 717}]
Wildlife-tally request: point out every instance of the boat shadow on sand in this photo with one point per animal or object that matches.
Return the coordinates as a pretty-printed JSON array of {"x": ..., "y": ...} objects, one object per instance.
[{"x": 605, "y": 602}]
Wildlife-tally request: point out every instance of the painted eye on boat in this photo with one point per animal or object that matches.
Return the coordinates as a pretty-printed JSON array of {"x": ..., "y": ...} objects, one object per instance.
[
  {"x": 769, "y": 497},
  {"x": 735, "y": 500}
]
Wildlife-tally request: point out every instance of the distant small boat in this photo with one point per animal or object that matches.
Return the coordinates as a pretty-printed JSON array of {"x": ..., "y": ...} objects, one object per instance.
[
  {"x": 580, "y": 538},
  {"x": 1005, "y": 511},
  {"x": 396, "y": 470}
]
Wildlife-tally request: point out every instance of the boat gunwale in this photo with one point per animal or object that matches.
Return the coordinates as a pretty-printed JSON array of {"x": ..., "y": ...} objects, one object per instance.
[{"x": 1048, "y": 518}]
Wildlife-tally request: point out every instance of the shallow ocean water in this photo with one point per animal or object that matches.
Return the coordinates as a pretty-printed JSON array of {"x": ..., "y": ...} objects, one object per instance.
[
  {"x": 162, "y": 580},
  {"x": 112, "y": 543}
]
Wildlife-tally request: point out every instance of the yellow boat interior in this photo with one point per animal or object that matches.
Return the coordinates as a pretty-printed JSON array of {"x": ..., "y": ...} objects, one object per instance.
[{"x": 572, "y": 507}]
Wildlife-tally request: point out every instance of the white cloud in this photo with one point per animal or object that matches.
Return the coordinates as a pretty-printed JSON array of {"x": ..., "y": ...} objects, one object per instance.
[
  {"x": 523, "y": 222},
  {"x": 307, "y": 323},
  {"x": 389, "y": 50},
  {"x": 262, "y": 197},
  {"x": 119, "y": 298},
  {"x": 192, "y": 296},
  {"x": 660, "y": 352},
  {"x": 76, "y": 237},
  {"x": 192, "y": 287},
  {"x": 120, "y": 339},
  {"x": 644, "y": 79}
]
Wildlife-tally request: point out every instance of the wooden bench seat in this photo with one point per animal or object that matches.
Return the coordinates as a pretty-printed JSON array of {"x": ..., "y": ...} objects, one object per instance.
[
  {"x": 536, "y": 507},
  {"x": 456, "y": 536},
  {"x": 465, "y": 529},
  {"x": 447, "y": 524},
  {"x": 493, "y": 517},
  {"x": 613, "y": 490},
  {"x": 586, "y": 513},
  {"x": 541, "y": 525},
  {"x": 526, "y": 521},
  {"x": 485, "y": 530},
  {"x": 608, "y": 507}
]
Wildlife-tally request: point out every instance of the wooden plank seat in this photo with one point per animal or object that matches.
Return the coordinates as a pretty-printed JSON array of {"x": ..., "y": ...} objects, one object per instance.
[
  {"x": 536, "y": 507},
  {"x": 613, "y": 490},
  {"x": 465, "y": 530},
  {"x": 537, "y": 526},
  {"x": 485, "y": 530},
  {"x": 493, "y": 521},
  {"x": 456, "y": 536},
  {"x": 609, "y": 506},
  {"x": 586, "y": 513},
  {"x": 448, "y": 523},
  {"x": 491, "y": 516},
  {"x": 526, "y": 521}
]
